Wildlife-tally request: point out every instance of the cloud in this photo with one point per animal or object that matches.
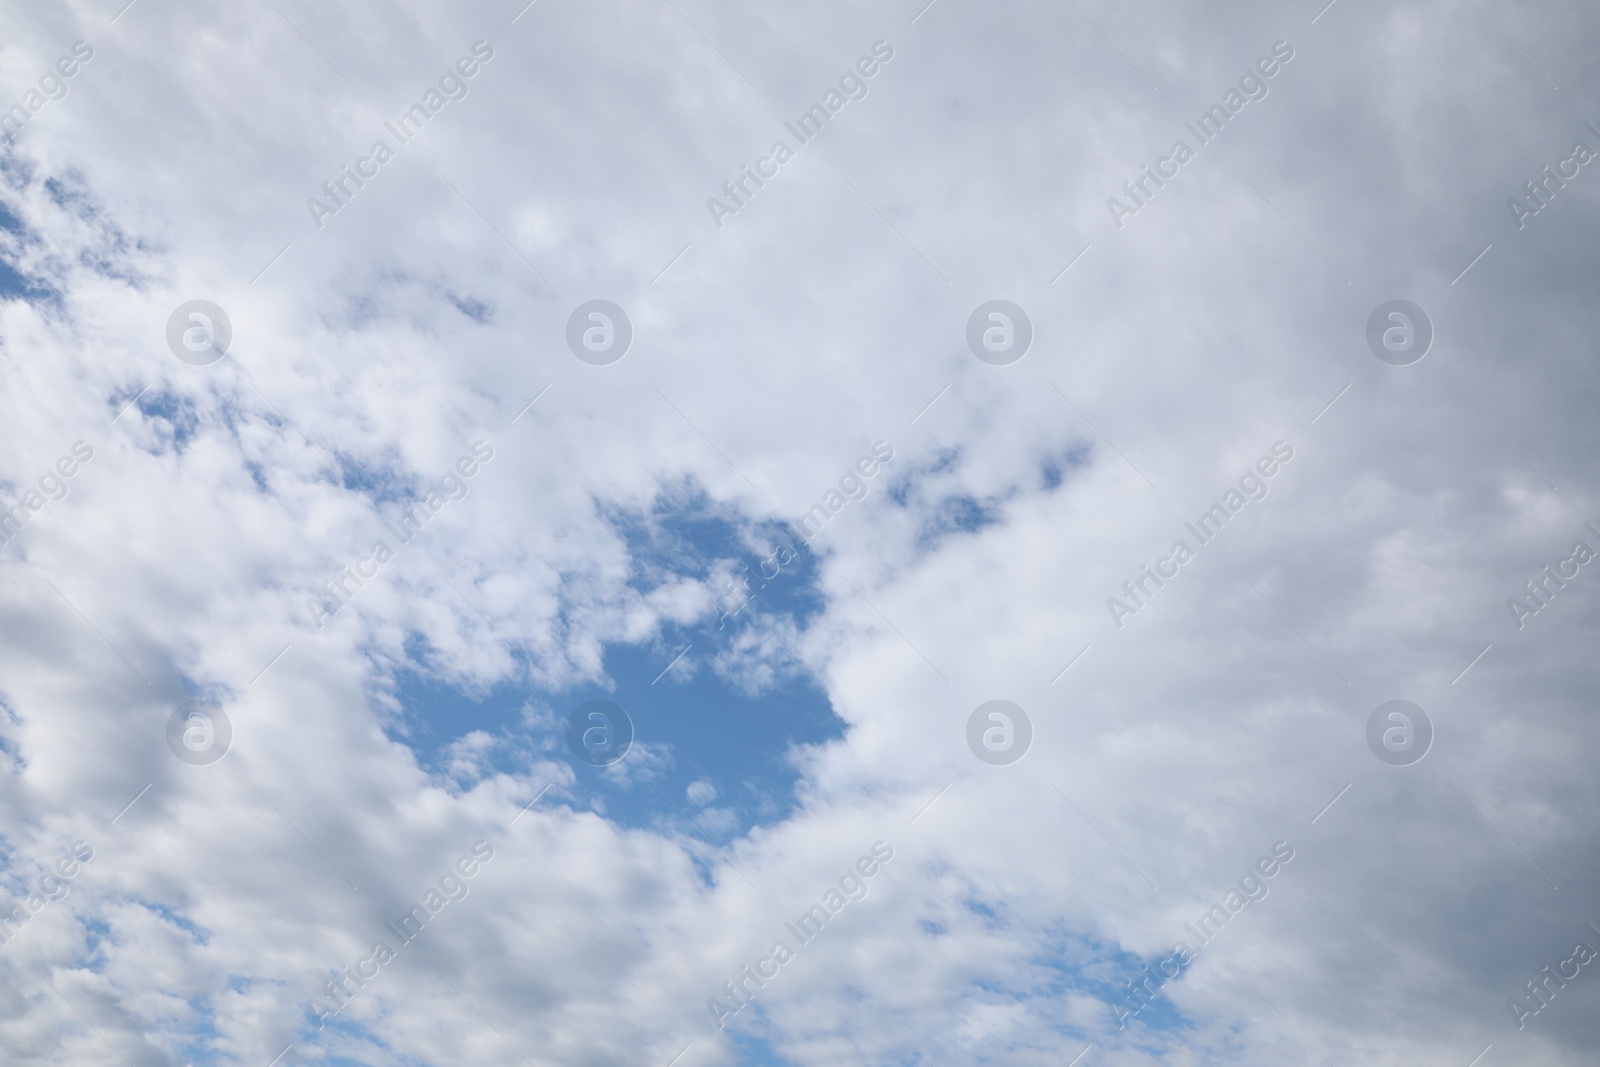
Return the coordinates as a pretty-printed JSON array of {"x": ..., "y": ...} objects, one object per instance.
[{"x": 828, "y": 314}]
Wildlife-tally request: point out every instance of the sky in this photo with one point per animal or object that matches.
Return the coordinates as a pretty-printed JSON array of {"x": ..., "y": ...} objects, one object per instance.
[{"x": 893, "y": 533}]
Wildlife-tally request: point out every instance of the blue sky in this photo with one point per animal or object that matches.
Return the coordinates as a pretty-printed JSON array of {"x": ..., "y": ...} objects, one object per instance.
[{"x": 714, "y": 728}]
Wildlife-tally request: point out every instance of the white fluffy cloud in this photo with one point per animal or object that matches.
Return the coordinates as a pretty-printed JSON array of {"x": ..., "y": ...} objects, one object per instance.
[{"x": 1021, "y": 901}]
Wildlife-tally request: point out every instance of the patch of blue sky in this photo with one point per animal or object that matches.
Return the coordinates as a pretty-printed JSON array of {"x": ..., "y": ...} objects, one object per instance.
[
  {"x": 200, "y": 1035},
  {"x": 258, "y": 477},
  {"x": 958, "y": 513},
  {"x": 716, "y": 725},
  {"x": 313, "y": 1044},
  {"x": 909, "y": 479},
  {"x": 1113, "y": 975},
  {"x": 200, "y": 935},
  {"x": 117, "y": 262},
  {"x": 1053, "y": 470},
  {"x": 942, "y": 510},
  {"x": 177, "y": 412},
  {"x": 756, "y": 1051},
  {"x": 384, "y": 484},
  {"x": 12, "y": 284},
  {"x": 1071, "y": 964},
  {"x": 97, "y": 932},
  {"x": 474, "y": 309}
]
